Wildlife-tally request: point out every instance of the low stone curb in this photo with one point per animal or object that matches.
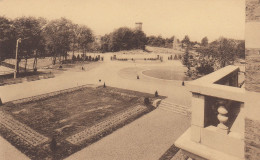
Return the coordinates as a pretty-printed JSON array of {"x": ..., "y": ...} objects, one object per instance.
[
  {"x": 23, "y": 131},
  {"x": 46, "y": 95},
  {"x": 105, "y": 125}
]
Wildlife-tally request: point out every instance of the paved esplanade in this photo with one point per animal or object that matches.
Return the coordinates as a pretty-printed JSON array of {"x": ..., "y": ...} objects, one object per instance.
[{"x": 153, "y": 134}]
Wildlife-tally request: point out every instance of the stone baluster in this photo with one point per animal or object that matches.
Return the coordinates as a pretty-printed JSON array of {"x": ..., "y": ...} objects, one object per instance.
[{"x": 222, "y": 116}]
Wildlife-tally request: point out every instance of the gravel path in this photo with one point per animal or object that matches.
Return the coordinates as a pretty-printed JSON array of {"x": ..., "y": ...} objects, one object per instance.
[{"x": 146, "y": 138}]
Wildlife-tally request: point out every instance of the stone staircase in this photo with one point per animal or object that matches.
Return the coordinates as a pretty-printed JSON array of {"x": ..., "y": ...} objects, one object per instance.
[{"x": 172, "y": 107}]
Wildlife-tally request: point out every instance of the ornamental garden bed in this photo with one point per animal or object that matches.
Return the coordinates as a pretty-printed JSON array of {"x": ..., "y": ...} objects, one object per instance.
[
  {"x": 58, "y": 124},
  {"x": 29, "y": 76}
]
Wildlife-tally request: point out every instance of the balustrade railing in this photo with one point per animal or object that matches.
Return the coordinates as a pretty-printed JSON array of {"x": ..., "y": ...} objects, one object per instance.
[{"x": 217, "y": 123}]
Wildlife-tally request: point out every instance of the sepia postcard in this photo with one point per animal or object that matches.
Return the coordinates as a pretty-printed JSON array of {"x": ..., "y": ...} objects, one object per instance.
[{"x": 130, "y": 79}]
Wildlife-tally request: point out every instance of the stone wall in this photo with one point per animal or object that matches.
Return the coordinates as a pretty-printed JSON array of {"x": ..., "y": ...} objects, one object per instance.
[
  {"x": 252, "y": 70},
  {"x": 252, "y": 81},
  {"x": 252, "y": 139}
]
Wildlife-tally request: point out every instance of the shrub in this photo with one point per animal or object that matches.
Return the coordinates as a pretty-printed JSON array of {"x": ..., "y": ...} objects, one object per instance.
[
  {"x": 53, "y": 145},
  {"x": 146, "y": 101},
  {"x": 73, "y": 57},
  {"x": 78, "y": 57},
  {"x": 156, "y": 94}
]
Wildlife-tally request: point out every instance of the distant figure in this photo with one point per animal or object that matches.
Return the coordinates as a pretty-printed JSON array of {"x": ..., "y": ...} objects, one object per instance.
[
  {"x": 183, "y": 83},
  {"x": 104, "y": 85}
]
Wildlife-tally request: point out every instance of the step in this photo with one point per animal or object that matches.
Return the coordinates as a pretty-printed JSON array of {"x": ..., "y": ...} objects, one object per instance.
[
  {"x": 174, "y": 107},
  {"x": 174, "y": 111},
  {"x": 168, "y": 106},
  {"x": 171, "y": 106},
  {"x": 170, "y": 103}
]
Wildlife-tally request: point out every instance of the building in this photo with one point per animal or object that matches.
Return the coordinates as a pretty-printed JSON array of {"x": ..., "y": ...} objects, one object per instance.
[{"x": 138, "y": 26}]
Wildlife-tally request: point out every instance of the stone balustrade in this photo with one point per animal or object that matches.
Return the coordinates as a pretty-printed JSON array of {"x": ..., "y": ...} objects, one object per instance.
[{"x": 217, "y": 121}]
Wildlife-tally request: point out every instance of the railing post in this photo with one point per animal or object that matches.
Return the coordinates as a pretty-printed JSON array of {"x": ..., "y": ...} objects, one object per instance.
[{"x": 222, "y": 116}]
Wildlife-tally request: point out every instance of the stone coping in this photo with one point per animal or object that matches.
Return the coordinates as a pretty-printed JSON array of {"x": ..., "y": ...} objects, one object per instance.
[
  {"x": 186, "y": 144},
  {"x": 206, "y": 85},
  {"x": 215, "y": 76}
]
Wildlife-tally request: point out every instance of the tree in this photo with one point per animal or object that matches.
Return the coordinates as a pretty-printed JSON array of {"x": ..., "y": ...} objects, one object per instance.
[
  {"x": 186, "y": 41},
  {"x": 123, "y": 39},
  {"x": 105, "y": 40},
  {"x": 240, "y": 51},
  {"x": 139, "y": 40},
  {"x": 84, "y": 37},
  {"x": 185, "y": 60},
  {"x": 29, "y": 30},
  {"x": 226, "y": 52},
  {"x": 204, "y": 41},
  {"x": 59, "y": 36},
  {"x": 7, "y": 39},
  {"x": 217, "y": 54}
]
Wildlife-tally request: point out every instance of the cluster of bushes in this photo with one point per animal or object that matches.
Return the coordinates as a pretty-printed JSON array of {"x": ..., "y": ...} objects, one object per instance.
[
  {"x": 10, "y": 81},
  {"x": 86, "y": 58},
  {"x": 173, "y": 58},
  {"x": 160, "y": 42},
  {"x": 126, "y": 59},
  {"x": 151, "y": 59},
  {"x": 122, "y": 59}
]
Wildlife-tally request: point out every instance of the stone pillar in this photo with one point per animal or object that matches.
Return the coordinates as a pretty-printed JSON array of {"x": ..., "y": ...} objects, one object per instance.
[{"x": 197, "y": 117}]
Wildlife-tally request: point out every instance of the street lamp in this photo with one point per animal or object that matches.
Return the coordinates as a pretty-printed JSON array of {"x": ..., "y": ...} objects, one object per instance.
[{"x": 16, "y": 54}]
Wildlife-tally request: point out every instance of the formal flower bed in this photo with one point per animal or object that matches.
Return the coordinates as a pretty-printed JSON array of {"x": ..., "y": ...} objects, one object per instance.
[{"x": 69, "y": 119}]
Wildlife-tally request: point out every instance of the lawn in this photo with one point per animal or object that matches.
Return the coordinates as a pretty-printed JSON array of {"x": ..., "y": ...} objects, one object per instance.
[
  {"x": 95, "y": 111},
  {"x": 167, "y": 74}
]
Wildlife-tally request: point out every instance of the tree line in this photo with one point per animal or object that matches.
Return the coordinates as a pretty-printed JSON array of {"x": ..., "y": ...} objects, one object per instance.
[
  {"x": 123, "y": 39},
  {"x": 41, "y": 37},
  {"x": 159, "y": 41}
]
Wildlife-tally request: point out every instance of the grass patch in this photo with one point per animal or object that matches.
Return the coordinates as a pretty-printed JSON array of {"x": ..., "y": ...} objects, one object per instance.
[{"x": 167, "y": 74}]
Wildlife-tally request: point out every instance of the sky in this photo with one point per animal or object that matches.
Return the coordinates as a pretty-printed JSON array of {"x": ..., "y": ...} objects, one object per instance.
[{"x": 196, "y": 18}]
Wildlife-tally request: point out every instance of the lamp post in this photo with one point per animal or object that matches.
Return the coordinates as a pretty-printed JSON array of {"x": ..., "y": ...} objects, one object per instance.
[{"x": 16, "y": 55}]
